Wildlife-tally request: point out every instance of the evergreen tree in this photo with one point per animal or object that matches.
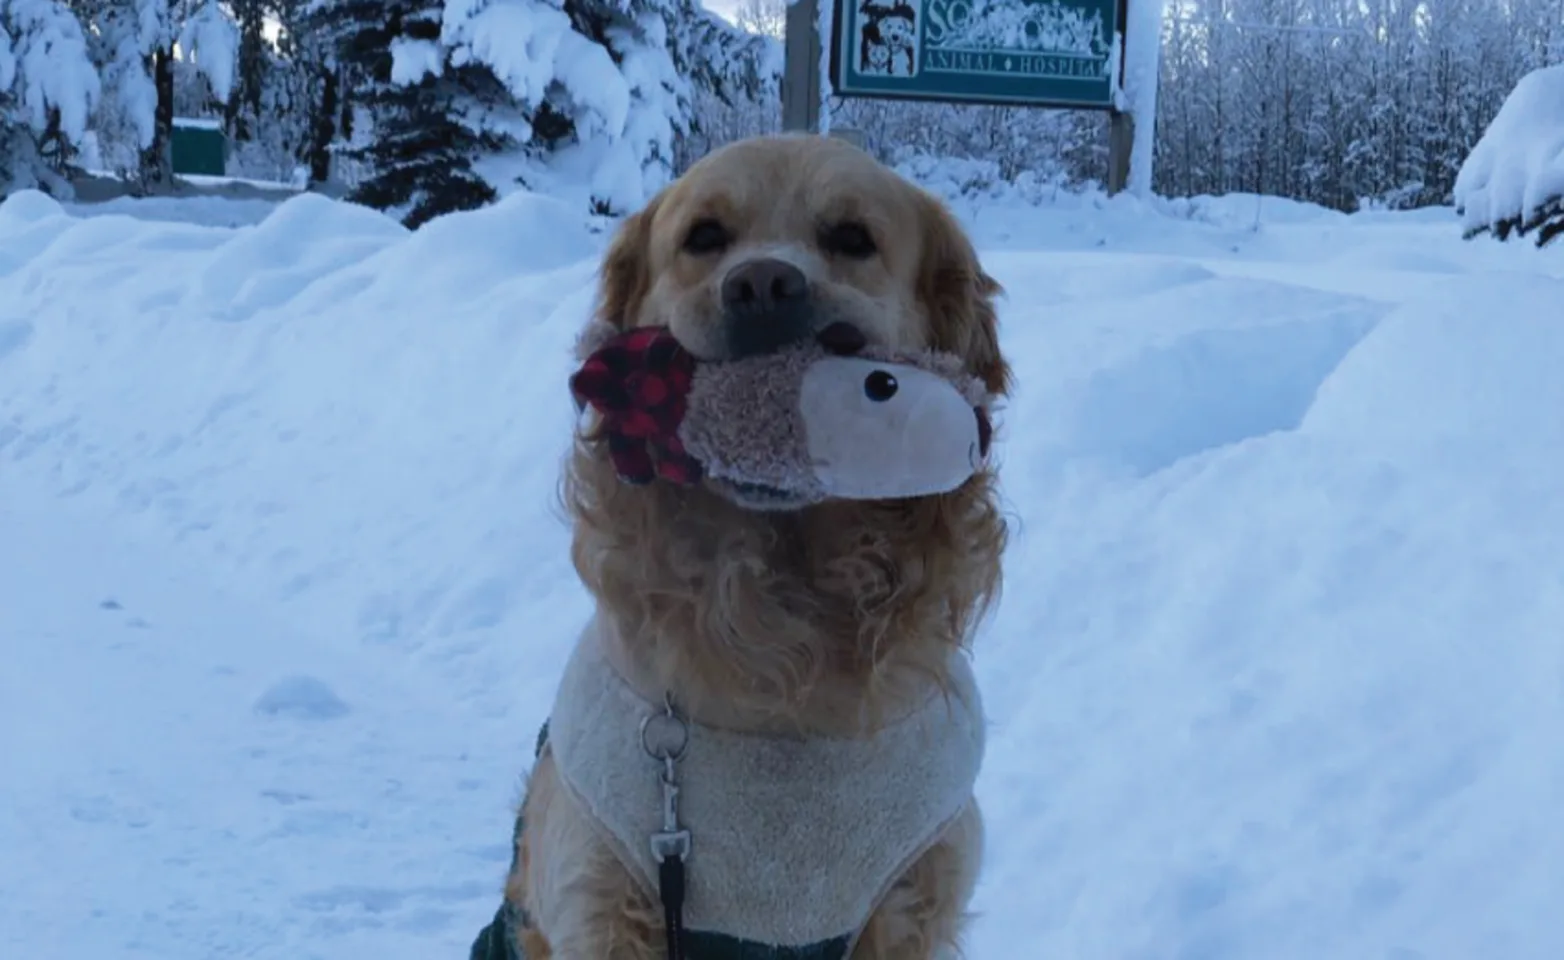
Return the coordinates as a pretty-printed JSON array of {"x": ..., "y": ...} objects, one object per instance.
[
  {"x": 118, "y": 43},
  {"x": 1512, "y": 183},
  {"x": 132, "y": 45},
  {"x": 254, "y": 62},
  {"x": 389, "y": 52},
  {"x": 307, "y": 84},
  {"x": 471, "y": 99},
  {"x": 666, "y": 53},
  {"x": 268, "y": 113},
  {"x": 154, "y": 33},
  {"x": 48, "y": 88}
]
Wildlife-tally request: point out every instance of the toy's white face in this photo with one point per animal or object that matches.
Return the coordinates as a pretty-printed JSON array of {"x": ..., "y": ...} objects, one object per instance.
[{"x": 879, "y": 430}]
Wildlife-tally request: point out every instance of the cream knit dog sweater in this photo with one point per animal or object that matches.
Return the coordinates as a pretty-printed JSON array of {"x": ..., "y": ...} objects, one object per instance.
[{"x": 794, "y": 841}]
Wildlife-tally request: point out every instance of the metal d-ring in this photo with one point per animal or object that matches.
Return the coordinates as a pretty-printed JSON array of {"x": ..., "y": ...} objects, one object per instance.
[{"x": 664, "y": 735}]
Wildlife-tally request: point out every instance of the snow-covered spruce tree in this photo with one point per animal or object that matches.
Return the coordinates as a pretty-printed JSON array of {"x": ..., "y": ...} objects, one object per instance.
[
  {"x": 740, "y": 69},
  {"x": 279, "y": 120},
  {"x": 252, "y": 64},
  {"x": 134, "y": 48},
  {"x": 207, "y": 39},
  {"x": 266, "y": 114},
  {"x": 48, "y": 88},
  {"x": 471, "y": 99},
  {"x": 313, "y": 32},
  {"x": 132, "y": 44},
  {"x": 1512, "y": 183},
  {"x": 205, "y": 72},
  {"x": 118, "y": 41},
  {"x": 389, "y": 56},
  {"x": 626, "y": 112}
]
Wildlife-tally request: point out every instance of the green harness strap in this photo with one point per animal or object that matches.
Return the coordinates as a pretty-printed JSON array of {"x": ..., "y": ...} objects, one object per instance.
[
  {"x": 700, "y": 945},
  {"x": 497, "y": 941}
]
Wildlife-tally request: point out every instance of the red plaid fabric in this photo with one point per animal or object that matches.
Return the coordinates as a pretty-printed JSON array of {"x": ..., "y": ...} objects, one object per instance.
[{"x": 639, "y": 383}]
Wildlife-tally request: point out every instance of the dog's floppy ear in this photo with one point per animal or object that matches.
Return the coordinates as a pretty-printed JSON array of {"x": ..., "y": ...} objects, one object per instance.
[
  {"x": 959, "y": 297},
  {"x": 625, "y": 275}
]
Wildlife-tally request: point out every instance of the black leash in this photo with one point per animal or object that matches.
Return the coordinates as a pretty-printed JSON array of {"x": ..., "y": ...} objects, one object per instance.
[{"x": 670, "y": 883}]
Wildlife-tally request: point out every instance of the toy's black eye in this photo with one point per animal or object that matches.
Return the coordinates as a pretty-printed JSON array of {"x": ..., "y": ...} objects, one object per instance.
[
  {"x": 849, "y": 239},
  {"x": 879, "y": 386},
  {"x": 706, "y": 236}
]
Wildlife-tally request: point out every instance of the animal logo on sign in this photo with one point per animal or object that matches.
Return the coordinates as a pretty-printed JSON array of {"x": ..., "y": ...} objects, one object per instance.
[{"x": 888, "y": 39}]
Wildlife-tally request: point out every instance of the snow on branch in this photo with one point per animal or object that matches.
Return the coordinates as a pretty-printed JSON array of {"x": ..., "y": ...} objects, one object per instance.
[
  {"x": 1513, "y": 180},
  {"x": 412, "y": 60},
  {"x": 211, "y": 38},
  {"x": 7, "y": 60},
  {"x": 45, "y": 60}
]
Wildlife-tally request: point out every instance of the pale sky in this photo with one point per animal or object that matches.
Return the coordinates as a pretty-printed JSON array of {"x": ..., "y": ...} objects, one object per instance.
[{"x": 723, "y": 8}]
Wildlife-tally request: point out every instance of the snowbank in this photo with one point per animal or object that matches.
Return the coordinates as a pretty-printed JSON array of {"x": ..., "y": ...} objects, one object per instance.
[
  {"x": 1513, "y": 180},
  {"x": 1037, "y": 203},
  {"x": 1277, "y": 673}
]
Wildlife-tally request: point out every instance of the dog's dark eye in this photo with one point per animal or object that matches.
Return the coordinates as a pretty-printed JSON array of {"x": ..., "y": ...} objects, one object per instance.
[
  {"x": 879, "y": 386},
  {"x": 849, "y": 239},
  {"x": 706, "y": 236}
]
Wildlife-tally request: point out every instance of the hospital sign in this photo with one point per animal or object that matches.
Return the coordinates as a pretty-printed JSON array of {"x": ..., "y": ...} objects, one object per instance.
[{"x": 1024, "y": 52}]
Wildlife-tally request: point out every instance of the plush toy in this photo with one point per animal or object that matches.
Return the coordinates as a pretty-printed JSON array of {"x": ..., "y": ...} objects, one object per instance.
[{"x": 832, "y": 418}]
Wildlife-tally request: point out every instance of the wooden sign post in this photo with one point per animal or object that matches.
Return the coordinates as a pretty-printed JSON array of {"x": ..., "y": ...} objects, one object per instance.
[{"x": 801, "y": 67}]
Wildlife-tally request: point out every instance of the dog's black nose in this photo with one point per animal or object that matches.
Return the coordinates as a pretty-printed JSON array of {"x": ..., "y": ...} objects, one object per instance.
[
  {"x": 767, "y": 307},
  {"x": 764, "y": 286}
]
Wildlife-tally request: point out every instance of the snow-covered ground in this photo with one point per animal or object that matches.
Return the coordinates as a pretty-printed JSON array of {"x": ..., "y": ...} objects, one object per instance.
[{"x": 1279, "y": 674}]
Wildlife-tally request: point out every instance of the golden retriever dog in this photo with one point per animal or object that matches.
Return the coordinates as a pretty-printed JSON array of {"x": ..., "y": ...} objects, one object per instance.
[{"x": 758, "y": 616}]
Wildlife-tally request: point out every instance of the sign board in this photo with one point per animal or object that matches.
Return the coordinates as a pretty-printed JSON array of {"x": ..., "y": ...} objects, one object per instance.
[{"x": 1043, "y": 53}]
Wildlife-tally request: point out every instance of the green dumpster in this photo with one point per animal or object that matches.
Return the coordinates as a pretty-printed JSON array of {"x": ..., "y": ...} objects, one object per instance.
[{"x": 199, "y": 147}]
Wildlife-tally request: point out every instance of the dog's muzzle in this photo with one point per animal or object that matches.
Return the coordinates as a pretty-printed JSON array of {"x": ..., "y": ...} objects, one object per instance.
[{"x": 767, "y": 305}]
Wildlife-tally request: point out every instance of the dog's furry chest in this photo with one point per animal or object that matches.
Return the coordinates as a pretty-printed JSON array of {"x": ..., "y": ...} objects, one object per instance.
[{"x": 795, "y": 841}]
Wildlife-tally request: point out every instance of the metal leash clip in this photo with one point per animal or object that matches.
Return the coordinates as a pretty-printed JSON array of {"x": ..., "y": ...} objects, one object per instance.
[{"x": 665, "y": 737}]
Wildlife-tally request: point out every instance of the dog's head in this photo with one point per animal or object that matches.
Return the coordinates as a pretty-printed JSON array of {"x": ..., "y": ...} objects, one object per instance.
[
  {"x": 776, "y": 240},
  {"x": 897, "y": 27}
]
